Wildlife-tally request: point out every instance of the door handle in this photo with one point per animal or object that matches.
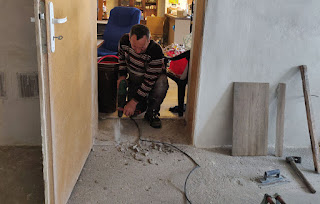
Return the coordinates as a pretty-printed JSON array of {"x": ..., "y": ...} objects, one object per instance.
[
  {"x": 53, "y": 21},
  {"x": 59, "y": 20}
]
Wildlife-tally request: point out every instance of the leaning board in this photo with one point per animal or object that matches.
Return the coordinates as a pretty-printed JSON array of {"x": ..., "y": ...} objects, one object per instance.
[{"x": 250, "y": 119}]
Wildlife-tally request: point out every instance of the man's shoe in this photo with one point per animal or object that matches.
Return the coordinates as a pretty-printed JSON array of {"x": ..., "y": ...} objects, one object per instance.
[{"x": 153, "y": 118}]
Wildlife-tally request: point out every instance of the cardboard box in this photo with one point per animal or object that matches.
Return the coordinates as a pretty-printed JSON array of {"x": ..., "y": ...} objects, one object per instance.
[{"x": 180, "y": 13}]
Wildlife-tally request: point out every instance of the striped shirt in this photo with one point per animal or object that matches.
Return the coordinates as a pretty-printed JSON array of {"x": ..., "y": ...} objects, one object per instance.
[{"x": 149, "y": 65}]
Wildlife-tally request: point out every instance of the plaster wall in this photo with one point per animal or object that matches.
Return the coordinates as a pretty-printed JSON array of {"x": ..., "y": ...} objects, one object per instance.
[
  {"x": 257, "y": 41},
  {"x": 19, "y": 117}
]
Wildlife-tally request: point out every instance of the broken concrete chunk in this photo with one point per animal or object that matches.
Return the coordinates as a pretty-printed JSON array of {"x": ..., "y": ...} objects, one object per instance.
[
  {"x": 151, "y": 161},
  {"x": 121, "y": 149},
  {"x": 138, "y": 157},
  {"x": 145, "y": 154},
  {"x": 135, "y": 148}
]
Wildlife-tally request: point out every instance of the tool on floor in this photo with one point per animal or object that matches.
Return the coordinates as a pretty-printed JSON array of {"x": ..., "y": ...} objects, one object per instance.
[
  {"x": 293, "y": 160},
  {"x": 279, "y": 199},
  {"x": 122, "y": 97},
  {"x": 272, "y": 177},
  {"x": 267, "y": 199}
]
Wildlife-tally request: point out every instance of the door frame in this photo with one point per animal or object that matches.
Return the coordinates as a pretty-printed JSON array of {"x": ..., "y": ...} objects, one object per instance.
[
  {"x": 44, "y": 96},
  {"x": 195, "y": 66}
]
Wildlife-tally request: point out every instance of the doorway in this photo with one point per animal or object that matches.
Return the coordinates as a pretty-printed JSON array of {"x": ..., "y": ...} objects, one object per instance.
[
  {"x": 107, "y": 125},
  {"x": 65, "y": 136}
]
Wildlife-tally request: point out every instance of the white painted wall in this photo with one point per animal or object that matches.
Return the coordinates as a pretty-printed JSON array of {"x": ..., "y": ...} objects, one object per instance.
[
  {"x": 258, "y": 41},
  {"x": 19, "y": 118}
]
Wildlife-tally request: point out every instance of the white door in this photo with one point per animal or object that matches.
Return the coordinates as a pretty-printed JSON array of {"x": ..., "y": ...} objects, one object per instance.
[{"x": 67, "y": 92}]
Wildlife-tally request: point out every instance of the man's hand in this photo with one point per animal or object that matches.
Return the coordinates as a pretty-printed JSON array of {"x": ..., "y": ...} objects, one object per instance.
[
  {"x": 130, "y": 108},
  {"x": 120, "y": 79}
]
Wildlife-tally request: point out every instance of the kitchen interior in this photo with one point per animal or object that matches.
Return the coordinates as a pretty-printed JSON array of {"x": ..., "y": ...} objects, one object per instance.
[{"x": 170, "y": 23}]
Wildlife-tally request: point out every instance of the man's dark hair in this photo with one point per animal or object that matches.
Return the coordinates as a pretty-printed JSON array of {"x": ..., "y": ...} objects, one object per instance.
[{"x": 140, "y": 31}]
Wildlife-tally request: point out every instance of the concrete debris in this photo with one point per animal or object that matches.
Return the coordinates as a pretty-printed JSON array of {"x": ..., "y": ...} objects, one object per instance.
[
  {"x": 151, "y": 161},
  {"x": 135, "y": 148},
  {"x": 140, "y": 151},
  {"x": 121, "y": 149},
  {"x": 145, "y": 154},
  {"x": 138, "y": 157}
]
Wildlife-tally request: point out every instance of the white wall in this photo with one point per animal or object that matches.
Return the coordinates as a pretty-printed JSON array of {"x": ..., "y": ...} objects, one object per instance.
[
  {"x": 19, "y": 117},
  {"x": 258, "y": 41}
]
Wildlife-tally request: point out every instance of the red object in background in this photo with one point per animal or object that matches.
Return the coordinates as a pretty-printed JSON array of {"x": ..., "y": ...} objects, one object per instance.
[{"x": 177, "y": 66}]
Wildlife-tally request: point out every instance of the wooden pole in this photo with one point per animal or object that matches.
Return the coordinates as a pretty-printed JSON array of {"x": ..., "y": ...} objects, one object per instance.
[
  {"x": 280, "y": 119},
  {"x": 310, "y": 118}
]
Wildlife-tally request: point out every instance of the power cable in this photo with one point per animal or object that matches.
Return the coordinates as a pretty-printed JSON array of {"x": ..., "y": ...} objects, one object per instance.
[{"x": 170, "y": 145}]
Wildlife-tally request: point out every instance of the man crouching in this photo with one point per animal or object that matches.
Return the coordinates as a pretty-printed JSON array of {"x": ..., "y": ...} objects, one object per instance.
[{"x": 143, "y": 60}]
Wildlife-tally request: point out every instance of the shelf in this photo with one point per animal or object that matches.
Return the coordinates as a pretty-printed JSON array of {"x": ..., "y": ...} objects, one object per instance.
[{"x": 143, "y": 5}]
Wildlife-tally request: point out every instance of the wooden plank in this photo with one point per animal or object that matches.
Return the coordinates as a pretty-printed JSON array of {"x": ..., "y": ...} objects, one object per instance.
[
  {"x": 310, "y": 117},
  {"x": 281, "y": 91},
  {"x": 250, "y": 119}
]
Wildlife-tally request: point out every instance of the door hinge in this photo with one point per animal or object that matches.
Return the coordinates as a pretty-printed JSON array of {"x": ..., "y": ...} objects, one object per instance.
[{"x": 41, "y": 16}]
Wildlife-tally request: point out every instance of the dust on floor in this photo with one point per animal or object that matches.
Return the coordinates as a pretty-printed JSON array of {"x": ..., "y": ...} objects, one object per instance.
[
  {"x": 21, "y": 177},
  {"x": 115, "y": 174}
]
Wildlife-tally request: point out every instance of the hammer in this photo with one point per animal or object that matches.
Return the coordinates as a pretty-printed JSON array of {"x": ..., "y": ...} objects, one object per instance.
[{"x": 293, "y": 160}]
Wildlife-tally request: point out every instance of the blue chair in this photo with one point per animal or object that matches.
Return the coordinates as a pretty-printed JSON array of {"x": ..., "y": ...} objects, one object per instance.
[{"x": 120, "y": 22}]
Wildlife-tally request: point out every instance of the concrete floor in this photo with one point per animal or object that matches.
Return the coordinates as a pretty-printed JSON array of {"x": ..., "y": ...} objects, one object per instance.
[
  {"x": 117, "y": 171},
  {"x": 120, "y": 172},
  {"x": 21, "y": 178}
]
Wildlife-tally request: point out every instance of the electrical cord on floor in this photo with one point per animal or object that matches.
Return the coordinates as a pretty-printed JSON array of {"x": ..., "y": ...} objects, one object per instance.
[{"x": 170, "y": 145}]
